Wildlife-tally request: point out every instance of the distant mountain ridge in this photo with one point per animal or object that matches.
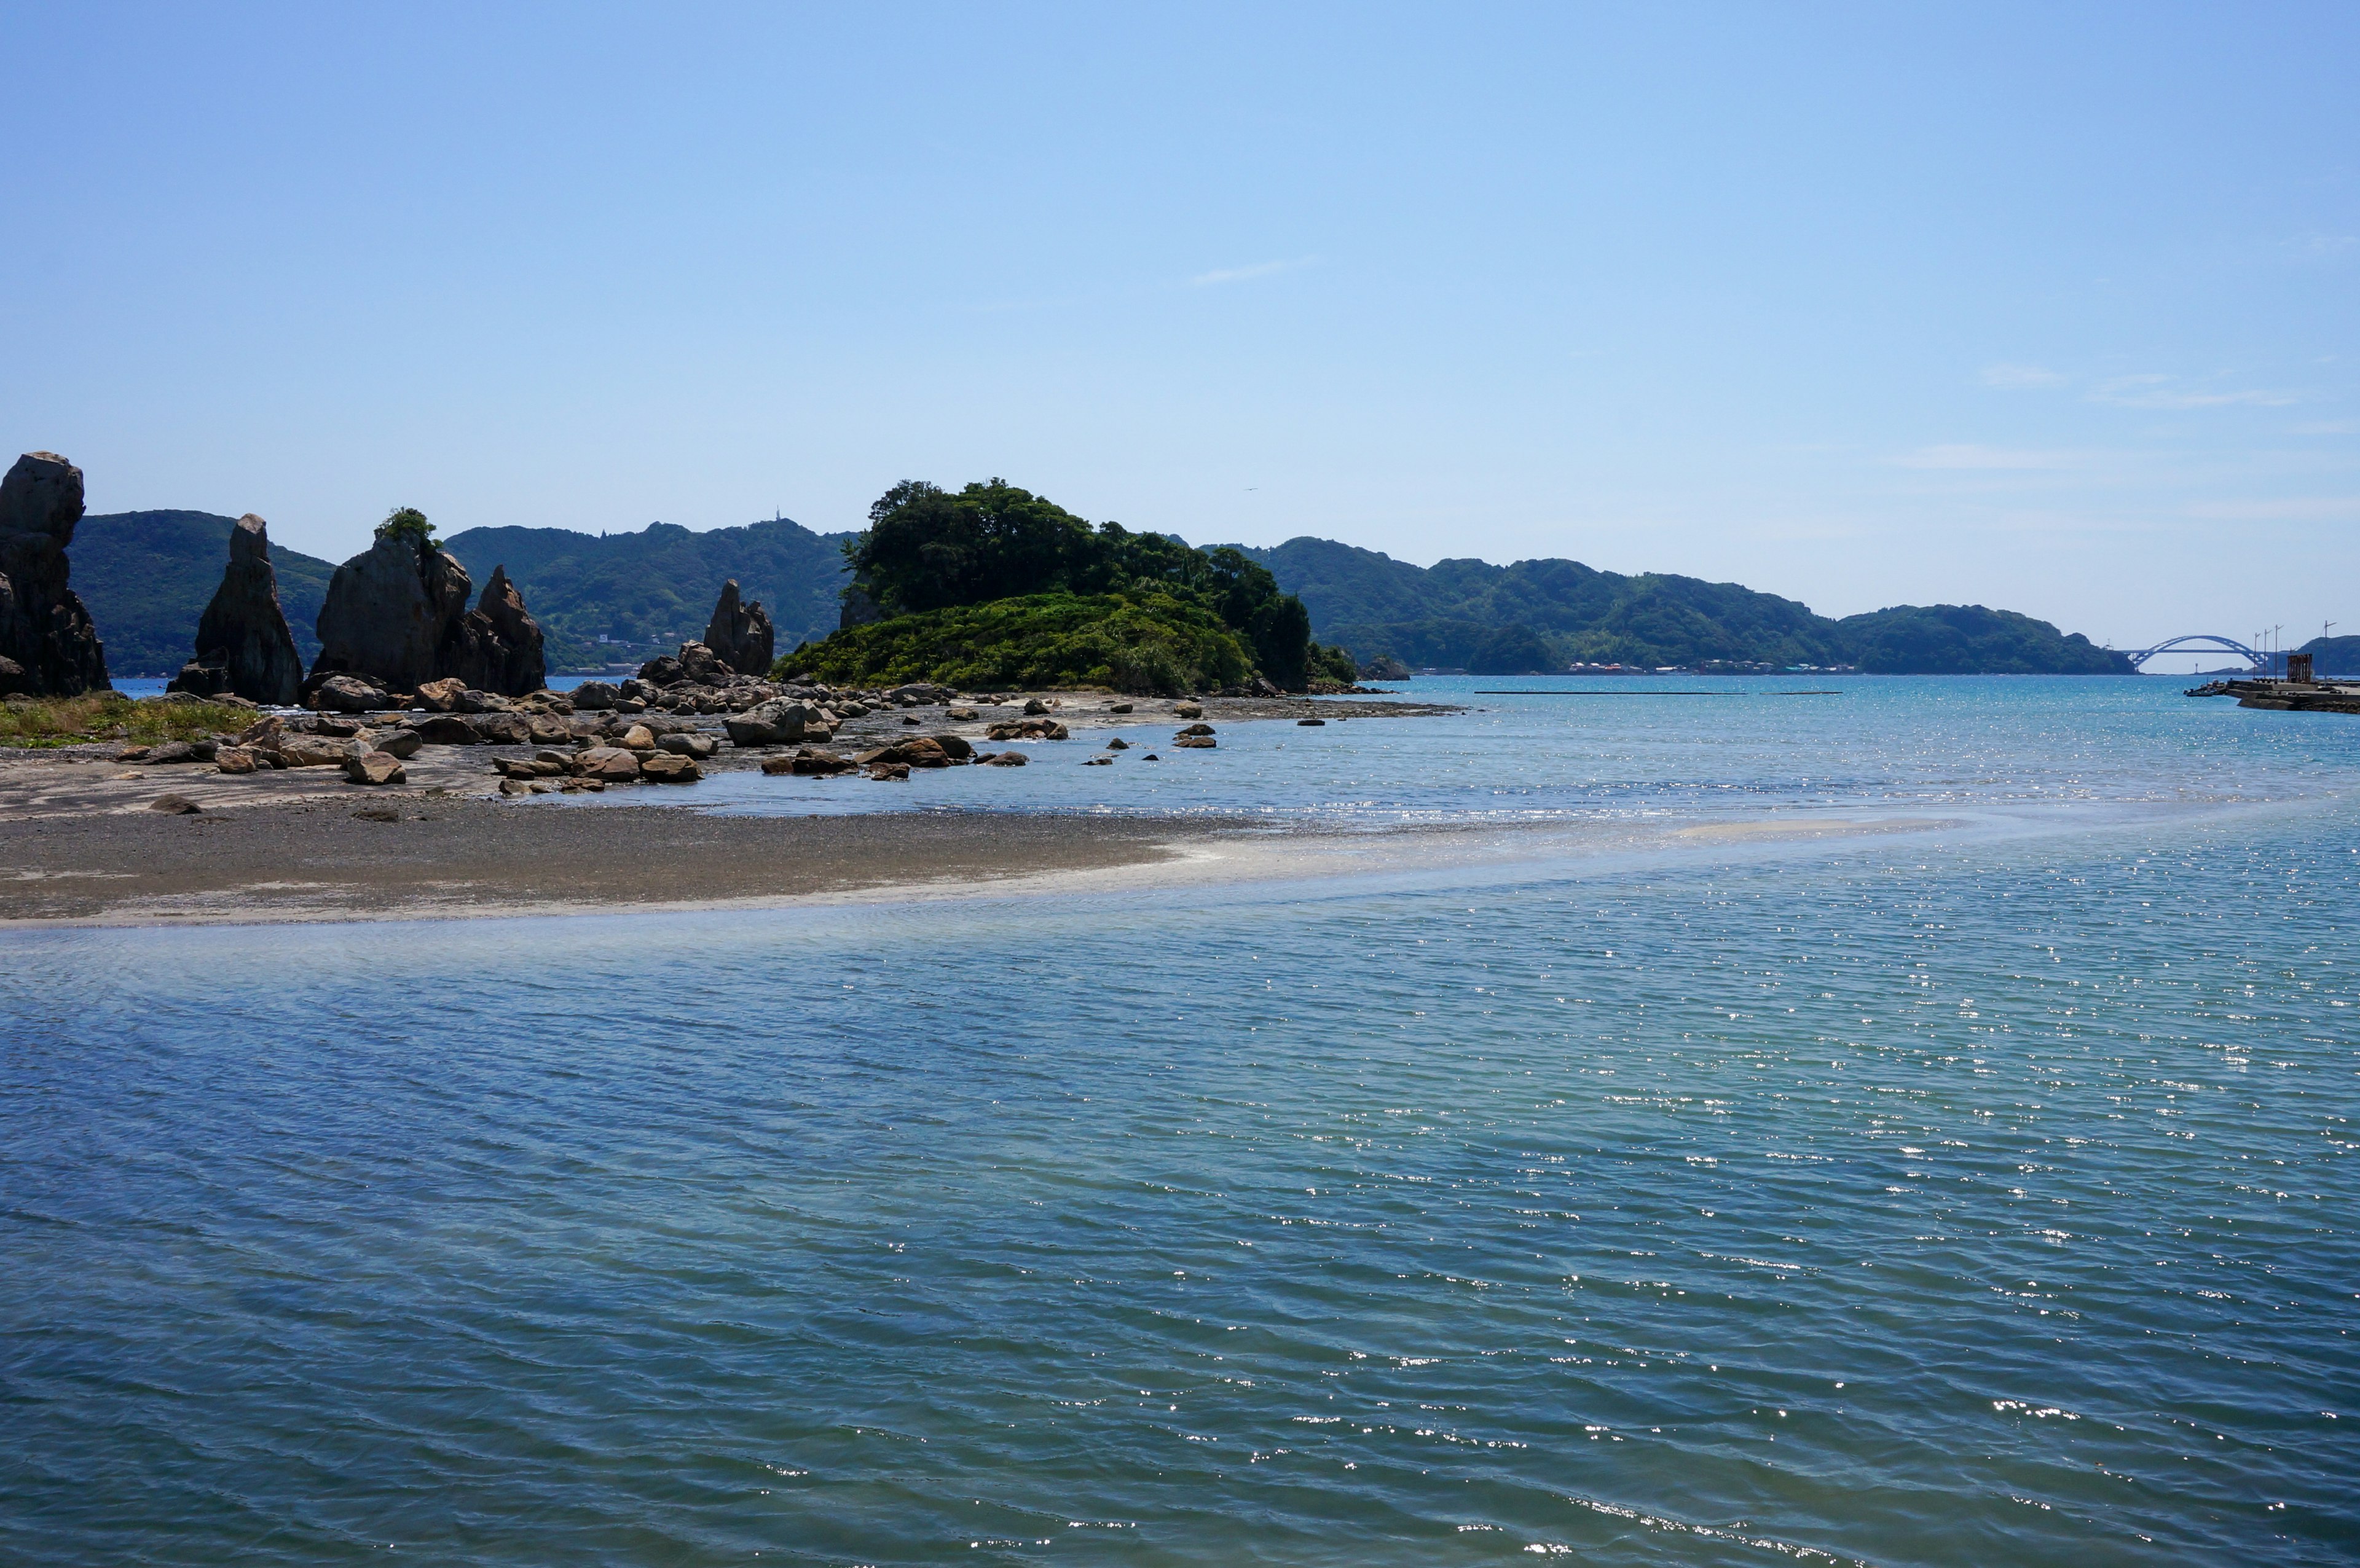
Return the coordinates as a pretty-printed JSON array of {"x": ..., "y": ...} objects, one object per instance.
[
  {"x": 147, "y": 575},
  {"x": 1547, "y": 613}
]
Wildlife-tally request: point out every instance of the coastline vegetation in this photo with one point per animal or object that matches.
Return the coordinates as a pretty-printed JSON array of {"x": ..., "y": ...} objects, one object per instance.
[
  {"x": 994, "y": 585},
  {"x": 1145, "y": 642},
  {"x": 44, "y": 721}
]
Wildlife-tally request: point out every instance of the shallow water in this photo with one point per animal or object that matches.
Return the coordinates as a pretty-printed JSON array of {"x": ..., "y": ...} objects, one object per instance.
[
  {"x": 1645, "y": 749},
  {"x": 1955, "y": 1197}
]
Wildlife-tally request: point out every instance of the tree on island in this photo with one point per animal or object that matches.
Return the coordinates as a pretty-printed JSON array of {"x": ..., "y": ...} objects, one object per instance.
[
  {"x": 927, "y": 548},
  {"x": 407, "y": 523}
]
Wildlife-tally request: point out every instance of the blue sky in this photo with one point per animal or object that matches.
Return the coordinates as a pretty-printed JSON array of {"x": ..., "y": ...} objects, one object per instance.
[{"x": 2049, "y": 307}]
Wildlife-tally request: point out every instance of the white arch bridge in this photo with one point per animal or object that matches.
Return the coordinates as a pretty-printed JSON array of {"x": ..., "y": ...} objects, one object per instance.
[{"x": 2202, "y": 642}]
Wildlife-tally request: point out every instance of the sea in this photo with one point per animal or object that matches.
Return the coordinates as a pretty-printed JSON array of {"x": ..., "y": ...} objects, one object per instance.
[{"x": 1836, "y": 1119}]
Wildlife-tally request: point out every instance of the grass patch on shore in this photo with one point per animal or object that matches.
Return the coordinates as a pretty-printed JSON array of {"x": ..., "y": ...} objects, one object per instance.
[
  {"x": 111, "y": 715},
  {"x": 1149, "y": 643}
]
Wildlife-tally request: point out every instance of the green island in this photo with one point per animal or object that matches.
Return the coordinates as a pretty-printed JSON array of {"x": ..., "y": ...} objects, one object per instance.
[{"x": 992, "y": 585}]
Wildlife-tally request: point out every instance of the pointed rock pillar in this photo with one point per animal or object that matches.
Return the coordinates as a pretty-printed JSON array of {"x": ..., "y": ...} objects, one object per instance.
[
  {"x": 741, "y": 634},
  {"x": 49, "y": 647},
  {"x": 242, "y": 645}
]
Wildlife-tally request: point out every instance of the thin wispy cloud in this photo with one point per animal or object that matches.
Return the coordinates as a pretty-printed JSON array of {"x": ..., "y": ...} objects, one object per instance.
[
  {"x": 2167, "y": 392},
  {"x": 2021, "y": 375},
  {"x": 2329, "y": 427},
  {"x": 1967, "y": 456},
  {"x": 1221, "y": 274}
]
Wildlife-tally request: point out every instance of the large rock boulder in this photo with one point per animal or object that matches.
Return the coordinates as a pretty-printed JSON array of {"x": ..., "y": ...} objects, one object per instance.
[
  {"x": 740, "y": 635},
  {"x": 399, "y": 611},
  {"x": 389, "y": 612},
  {"x": 779, "y": 722},
  {"x": 243, "y": 644},
  {"x": 496, "y": 645},
  {"x": 47, "y": 645}
]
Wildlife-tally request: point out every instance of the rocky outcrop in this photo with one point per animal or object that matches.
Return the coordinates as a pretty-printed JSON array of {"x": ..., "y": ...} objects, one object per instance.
[
  {"x": 740, "y": 635},
  {"x": 389, "y": 611},
  {"x": 47, "y": 645},
  {"x": 398, "y": 612},
  {"x": 242, "y": 645},
  {"x": 496, "y": 645}
]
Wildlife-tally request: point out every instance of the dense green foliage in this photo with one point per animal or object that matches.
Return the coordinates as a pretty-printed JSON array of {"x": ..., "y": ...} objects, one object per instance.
[
  {"x": 1546, "y": 615},
  {"x": 929, "y": 549},
  {"x": 147, "y": 576},
  {"x": 1143, "y": 640},
  {"x": 407, "y": 523},
  {"x": 650, "y": 591},
  {"x": 1968, "y": 639}
]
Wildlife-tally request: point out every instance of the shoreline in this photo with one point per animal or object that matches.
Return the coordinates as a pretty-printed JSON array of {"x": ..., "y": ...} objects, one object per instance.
[{"x": 317, "y": 862}]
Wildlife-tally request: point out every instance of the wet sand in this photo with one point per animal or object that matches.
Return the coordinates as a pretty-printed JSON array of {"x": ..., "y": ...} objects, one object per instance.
[{"x": 315, "y": 859}]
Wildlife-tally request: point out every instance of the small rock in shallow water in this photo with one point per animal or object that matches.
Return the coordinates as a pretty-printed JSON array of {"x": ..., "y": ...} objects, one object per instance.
[
  {"x": 1005, "y": 760},
  {"x": 1118, "y": 707},
  {"x": 670, "y": 768},
  {"x": 1099, "y": 762},
  {"x": 1307, "y": 722},
  {"x": 1117, "y": 743},
  {"x": 890, "y": 772},
  {"x": 961, "y": 715},
  {"x": 1204, "y": 742}
]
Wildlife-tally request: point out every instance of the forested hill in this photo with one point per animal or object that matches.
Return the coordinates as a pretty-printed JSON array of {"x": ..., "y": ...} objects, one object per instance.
[
  {"x": 1542, "y": 615},
  {"x": 650, "y": 590},
  {"x": 147, "y": 576}
]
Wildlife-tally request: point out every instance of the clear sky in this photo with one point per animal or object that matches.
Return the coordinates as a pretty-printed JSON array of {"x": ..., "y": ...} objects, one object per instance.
[{"x": 2049, "y": 307}]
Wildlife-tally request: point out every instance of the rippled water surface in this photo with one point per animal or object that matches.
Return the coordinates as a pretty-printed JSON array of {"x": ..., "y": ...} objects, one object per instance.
[{"x": 1952, "y": 1197}]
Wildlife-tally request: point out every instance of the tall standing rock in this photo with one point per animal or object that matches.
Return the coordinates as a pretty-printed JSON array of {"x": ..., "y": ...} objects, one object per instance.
[
  {"x": 390, "y": 612},
  {"x": 47, "y": 645},
  {"x": 495, "y": 646},
  {"x": 242, "y": 645},
  {"x": 740, "y": 635}
]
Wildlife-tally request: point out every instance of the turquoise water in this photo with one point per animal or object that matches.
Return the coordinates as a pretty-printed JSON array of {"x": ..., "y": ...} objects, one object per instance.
[{"x": 1979, "y": 1194}]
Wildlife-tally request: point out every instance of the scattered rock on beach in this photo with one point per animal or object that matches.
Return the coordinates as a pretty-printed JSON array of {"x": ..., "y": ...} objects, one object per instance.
[
  {"x": 1118, "y": 707},
  {"x": 174, "y": 805},
  {"x": 446, "y": 729},
  {"x": 593, "y": 695},
  {"x": 234, "y": 759},
  {"x": 374, "y": 767},
  {"x": 962, "y": 716},
  {"x": 349, "y": 694},
  {"x": 608, "y": 763},
  {"x": 1188, "y": 711},
  {"x": 403, "y": 744}
]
